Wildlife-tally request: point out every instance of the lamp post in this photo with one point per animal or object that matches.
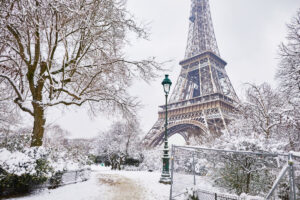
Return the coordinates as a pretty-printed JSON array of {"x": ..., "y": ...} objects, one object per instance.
[{"x": 165, "y": 176}]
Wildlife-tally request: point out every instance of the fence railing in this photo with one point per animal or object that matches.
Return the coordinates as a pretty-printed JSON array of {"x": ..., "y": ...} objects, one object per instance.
[
  {"x": 66, "y": 177},
  {"x": 229, "y": 174},
  {"x": 70, "y": 177}
]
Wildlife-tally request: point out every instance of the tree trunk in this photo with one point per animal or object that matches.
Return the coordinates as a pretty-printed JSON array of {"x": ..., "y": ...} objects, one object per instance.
[
  {"x": 248, "y": 179},
  {"x": 38, "y": 126},
  {"x": 120, "y": 163},
  {"x": 248, "y": 183},
  {"x": 38, "y": 110}
]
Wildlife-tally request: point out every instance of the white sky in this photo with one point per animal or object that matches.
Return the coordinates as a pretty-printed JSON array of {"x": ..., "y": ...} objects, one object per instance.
[{"x": 248, "y": 33}]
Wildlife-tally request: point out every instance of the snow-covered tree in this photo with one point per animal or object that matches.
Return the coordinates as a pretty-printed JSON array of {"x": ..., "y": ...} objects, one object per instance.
[
  {"x": 9, "y": 116},
  {"x": 16, "y": 140},
  {"x": 244, "y": 173},
  {"x": 289, "y": 54},
  {"x": 261, "y": 113},
  {"x": 288, "y": 74},
  {"x": 68, "y": 53},
  {"x": 152, "y": 159},
  {"x": 64, "y": 151},
  {"x": 119, "y": 142},
  {"x": 269, "y": 113},
  {"x": 261, "y": 127},
  {"x": 55, "y": 135},
  {"x": 290, "y": 125}
]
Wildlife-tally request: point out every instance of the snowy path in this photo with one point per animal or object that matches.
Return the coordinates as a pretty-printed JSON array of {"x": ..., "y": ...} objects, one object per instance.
[
  {"x": 105, "y": 184},
  {"x": 121, "y": 187}
]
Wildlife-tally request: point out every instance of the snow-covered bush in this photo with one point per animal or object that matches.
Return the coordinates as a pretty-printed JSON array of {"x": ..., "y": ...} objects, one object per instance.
[
  {"x": 152, "y": 160},
  {"x": 244, "y": 173},
  {"x": 66, "y": 154},
  {"x": 191, "y": 194},
  {"x": 22, "y": 171},
  {"x": 64, "y": 160},
  {"x": 133, "y": 161},
  {"x": 56, "y": 179}
]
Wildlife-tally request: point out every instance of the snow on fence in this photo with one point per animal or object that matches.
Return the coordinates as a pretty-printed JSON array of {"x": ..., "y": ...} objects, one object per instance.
[
  {"x": 75, "y": 176},
  {"x": 67, "y": 177},
  {"x": 209, "y": 195},
  {"x": 216, "y": 174}
]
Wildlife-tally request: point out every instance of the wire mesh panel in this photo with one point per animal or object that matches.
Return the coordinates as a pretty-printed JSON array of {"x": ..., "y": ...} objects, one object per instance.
[
  {"x": 297, "y": 175},
  {"x": 182, "y": 172},
  {"x": 286, "y": 186},
  {"x": 227, "y": 174}
]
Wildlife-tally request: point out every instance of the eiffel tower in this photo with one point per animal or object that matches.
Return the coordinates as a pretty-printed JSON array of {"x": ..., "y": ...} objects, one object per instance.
[{"x": 203, "y": 100}]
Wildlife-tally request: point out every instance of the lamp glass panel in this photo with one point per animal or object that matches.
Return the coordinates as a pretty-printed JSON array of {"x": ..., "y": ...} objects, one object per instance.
[{"x": 167, "y": 88}]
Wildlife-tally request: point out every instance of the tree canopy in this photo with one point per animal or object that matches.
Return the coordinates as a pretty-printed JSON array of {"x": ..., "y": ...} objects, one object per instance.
[{"x": 68, "y": 53}]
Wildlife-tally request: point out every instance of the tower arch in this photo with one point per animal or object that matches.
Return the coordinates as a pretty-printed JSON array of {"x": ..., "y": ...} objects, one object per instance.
[{"x": 186, "y": 128}]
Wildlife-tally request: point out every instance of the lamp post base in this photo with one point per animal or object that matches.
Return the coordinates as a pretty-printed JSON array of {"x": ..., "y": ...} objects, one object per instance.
[
  {"x": 165, "y": 175},
  {"x": 165, "y": 178}
]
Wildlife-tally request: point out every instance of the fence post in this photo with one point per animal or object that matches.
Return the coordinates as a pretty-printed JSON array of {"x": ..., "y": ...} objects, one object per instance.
[
  {"x": 172, "y": 169},
  {"x": 75, "y": 176},
  {"x": 292, "y": 178},
  {"x": 194, "y": 171},
  {"x": 216, "y": 196}
]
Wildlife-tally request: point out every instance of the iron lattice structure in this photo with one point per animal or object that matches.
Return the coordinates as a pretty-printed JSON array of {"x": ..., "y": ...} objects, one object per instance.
[
  {"x": 201, "y": 36},
  {"x": 203, "y": 100}
]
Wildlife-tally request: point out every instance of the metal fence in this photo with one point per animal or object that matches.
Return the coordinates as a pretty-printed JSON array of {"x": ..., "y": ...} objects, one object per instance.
[
  {"x": 216, "y": 174},
  {"x": 59, "y": 179},
  {"x": 70, "y": 177},
  {"x": 209, "y": 195},
  {"x": 66, "y": 177}
]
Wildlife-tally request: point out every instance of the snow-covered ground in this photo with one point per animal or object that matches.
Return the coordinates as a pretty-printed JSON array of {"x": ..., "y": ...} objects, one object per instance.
[{"x": 105, "y": 184}]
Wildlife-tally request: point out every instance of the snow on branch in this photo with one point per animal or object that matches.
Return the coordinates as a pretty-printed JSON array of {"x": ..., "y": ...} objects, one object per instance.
[
  {"x": 19, "y": 100},
  {"x": 14, "y": 85}
]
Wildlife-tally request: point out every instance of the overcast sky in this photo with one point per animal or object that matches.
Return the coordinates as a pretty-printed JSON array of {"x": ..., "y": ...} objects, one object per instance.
[{"x": 248, "y": 33}]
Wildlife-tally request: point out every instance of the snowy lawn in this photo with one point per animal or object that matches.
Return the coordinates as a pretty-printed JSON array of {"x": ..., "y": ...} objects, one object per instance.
[{"x": 105, "y": 184}]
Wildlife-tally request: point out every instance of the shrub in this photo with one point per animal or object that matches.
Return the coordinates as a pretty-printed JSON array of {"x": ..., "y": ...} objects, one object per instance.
[
  {"x": 132, "y": 162},
  {"x": 191, "y": 194},
  {"x": 56, "y": 179},
  {"x": 15, "y": 184},
  {"x": 20, "y": 172}
]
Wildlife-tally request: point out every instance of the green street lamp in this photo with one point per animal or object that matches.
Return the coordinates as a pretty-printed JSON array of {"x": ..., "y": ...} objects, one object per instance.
[{"x": 165, "y": 176}]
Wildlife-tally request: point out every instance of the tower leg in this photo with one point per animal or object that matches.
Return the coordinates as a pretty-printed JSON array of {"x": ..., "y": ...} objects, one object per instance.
[{"x": 224, "y": 123}]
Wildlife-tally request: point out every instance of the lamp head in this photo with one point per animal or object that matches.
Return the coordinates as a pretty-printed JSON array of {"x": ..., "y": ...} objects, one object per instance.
[{"x": 167, "y": 84}]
